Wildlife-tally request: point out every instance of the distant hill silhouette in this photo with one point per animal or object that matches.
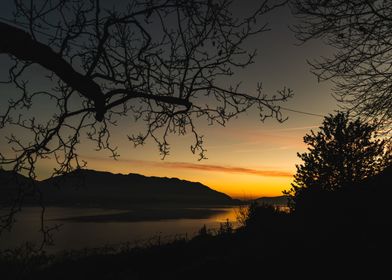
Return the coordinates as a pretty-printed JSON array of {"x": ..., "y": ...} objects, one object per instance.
[{"x": 89, "y": 188}]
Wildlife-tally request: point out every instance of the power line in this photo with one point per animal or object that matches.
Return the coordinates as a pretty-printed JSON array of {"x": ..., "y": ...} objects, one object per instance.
[{"x": 301, "y": 112}]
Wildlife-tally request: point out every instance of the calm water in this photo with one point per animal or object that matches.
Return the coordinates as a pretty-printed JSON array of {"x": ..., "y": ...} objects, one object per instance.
[{"x": 78, "y": 235}]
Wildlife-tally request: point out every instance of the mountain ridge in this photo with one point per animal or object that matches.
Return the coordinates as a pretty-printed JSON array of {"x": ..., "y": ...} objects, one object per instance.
[{"x": 86, "y": 187}]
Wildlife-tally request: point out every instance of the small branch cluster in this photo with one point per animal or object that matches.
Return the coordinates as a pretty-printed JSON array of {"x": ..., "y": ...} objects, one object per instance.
[{"x": 360, "y": 33}]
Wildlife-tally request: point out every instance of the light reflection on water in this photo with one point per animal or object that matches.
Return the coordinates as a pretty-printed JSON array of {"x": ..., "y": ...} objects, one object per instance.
[{"x": 78, "y": 235}]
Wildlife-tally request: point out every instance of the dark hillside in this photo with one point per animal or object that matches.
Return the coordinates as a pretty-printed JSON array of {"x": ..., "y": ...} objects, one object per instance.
[{"x": 89, "y": 188}]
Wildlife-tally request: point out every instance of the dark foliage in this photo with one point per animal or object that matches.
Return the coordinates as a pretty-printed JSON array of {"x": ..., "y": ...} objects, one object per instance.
[{"x": 341, "y": 154}]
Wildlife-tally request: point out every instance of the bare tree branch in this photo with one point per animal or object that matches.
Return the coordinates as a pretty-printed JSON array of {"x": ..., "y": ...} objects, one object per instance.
[
  {"x": 162, "y": 62},
  {"x": 360, "y": 66},
  {"x": 21, "y": 45}
]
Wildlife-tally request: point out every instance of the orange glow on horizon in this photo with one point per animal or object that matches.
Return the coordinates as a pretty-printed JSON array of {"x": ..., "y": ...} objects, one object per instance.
[
  {"x": 254, "y": 163},
  {"x": 237, "y": 182}
]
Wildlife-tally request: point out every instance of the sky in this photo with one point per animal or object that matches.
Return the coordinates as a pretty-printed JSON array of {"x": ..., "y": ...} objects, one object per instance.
[{"x": 247, "y": 158}]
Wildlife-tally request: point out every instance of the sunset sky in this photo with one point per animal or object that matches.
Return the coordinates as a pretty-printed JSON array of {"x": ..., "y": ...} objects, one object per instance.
[{"x": 247, "y": 158}]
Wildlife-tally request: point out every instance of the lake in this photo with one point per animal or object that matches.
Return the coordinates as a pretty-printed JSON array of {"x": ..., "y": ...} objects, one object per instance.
[{"x": 94, "y": 227}]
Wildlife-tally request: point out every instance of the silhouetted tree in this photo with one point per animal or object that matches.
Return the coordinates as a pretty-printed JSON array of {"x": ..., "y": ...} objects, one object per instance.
[
  {"x": 361, "y": 36},
  {"x": 161, "y": 62},
  {"x": 342, "y": 153},
  {"x": 93, "y": 63}
]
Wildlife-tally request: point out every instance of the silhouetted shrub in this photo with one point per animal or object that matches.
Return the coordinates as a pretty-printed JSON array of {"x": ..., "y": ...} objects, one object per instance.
[{"x": 225, "y": 228}]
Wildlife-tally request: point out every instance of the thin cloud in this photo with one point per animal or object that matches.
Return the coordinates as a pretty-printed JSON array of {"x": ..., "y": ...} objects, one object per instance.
[
  {"x": 200, "y": 167},
  {"x": 282, "y": 137},
  {"x": 228, "y": 169}
]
